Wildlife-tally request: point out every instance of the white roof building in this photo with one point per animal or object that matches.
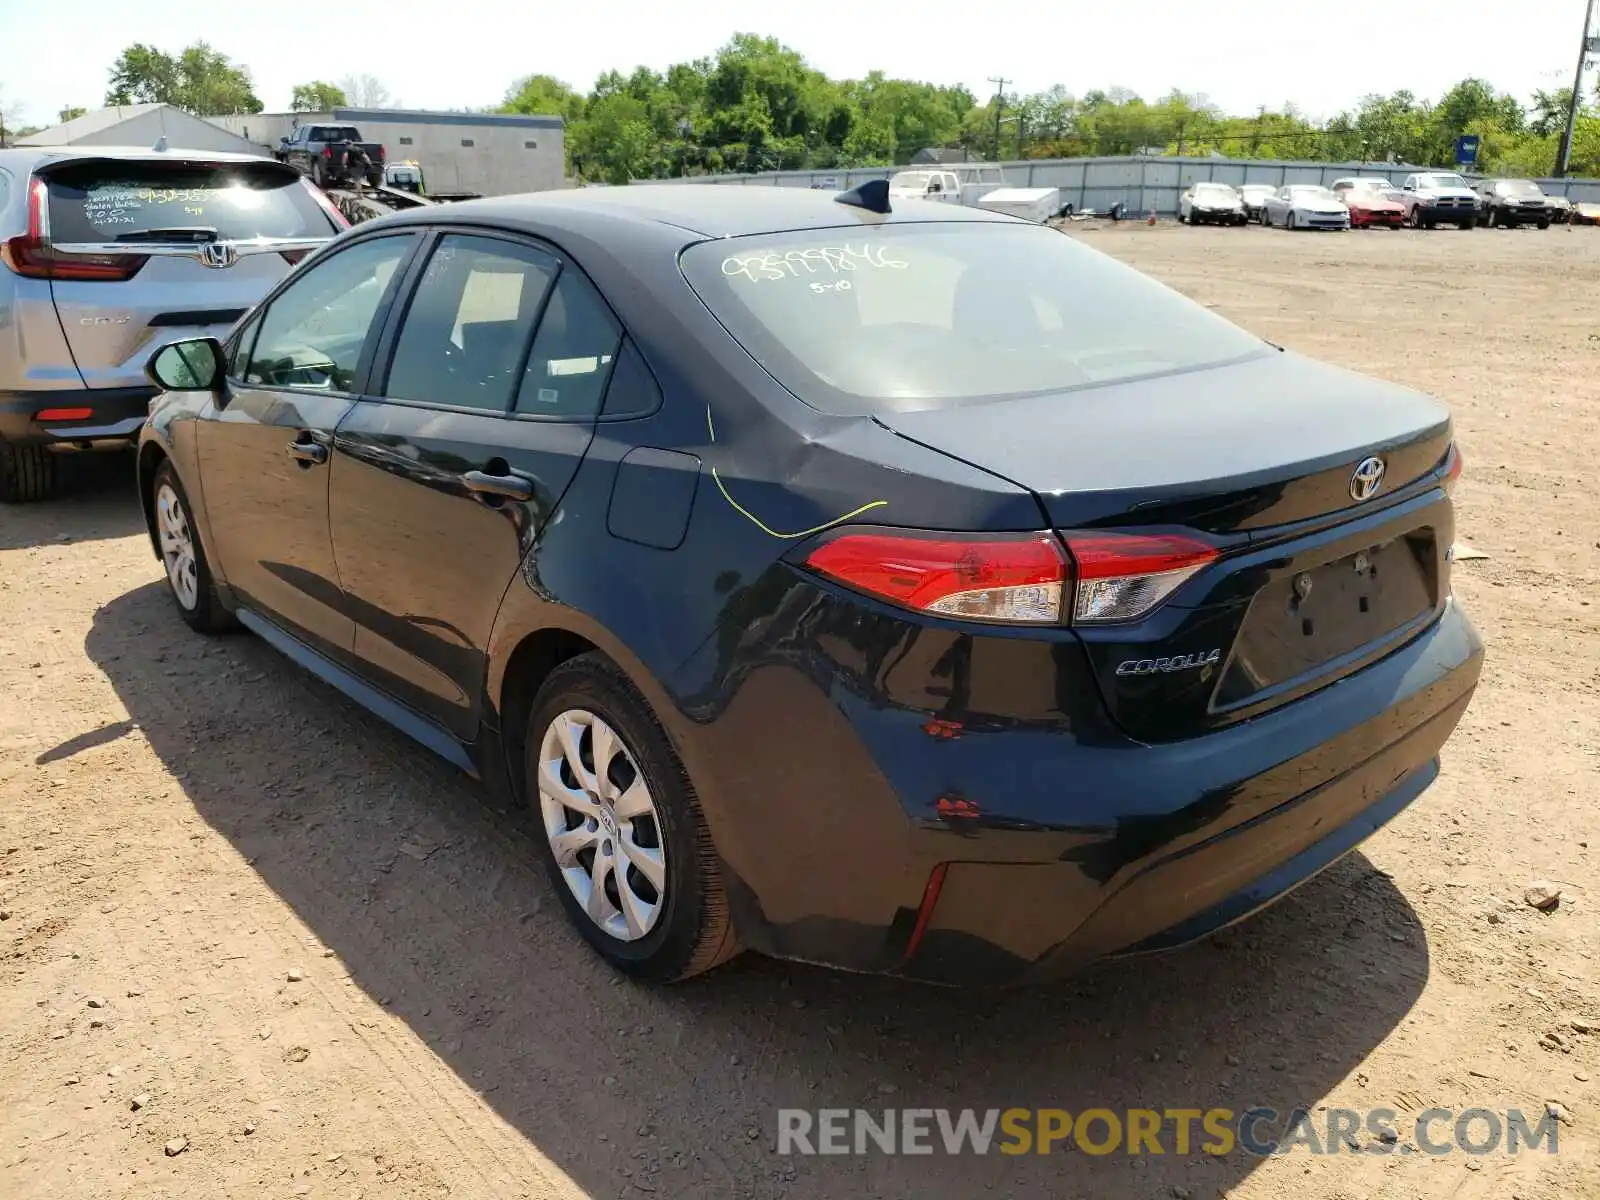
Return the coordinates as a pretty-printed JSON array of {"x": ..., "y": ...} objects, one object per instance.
[{"x": 141, "y": 125}]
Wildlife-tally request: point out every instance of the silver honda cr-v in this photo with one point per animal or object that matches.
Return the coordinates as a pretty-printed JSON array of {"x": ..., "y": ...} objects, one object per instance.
[{"x": 108, "y": 253}]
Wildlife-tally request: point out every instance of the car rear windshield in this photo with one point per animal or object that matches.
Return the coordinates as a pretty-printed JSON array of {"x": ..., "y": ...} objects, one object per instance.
[
  {"x": 106, "y": 200},
  {"x": 923, "y": 316},
  {"x": 337, "y": 133}
]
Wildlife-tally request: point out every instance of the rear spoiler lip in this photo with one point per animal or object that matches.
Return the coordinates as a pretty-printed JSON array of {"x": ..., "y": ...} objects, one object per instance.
[{"x": 271, "y": 166}]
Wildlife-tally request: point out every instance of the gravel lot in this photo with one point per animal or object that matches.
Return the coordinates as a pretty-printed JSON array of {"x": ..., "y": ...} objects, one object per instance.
[{"x": 256, "y": 944}]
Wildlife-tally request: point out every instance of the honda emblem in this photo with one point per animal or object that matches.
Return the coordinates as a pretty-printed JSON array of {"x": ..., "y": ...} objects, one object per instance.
[{"x": 218, "y": 255}]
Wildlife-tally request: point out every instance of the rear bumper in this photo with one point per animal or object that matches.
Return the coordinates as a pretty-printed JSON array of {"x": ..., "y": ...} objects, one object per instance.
[
  {"x": 859, "y": 833},
  {"x": 54, "y": 418}
]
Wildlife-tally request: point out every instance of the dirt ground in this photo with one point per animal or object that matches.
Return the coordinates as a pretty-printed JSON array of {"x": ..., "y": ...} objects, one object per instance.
[{"x": 247, "y": 923}]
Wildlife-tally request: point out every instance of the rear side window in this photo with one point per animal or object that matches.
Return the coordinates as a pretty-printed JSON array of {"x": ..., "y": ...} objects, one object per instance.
[
  {"x": 108, "y": 201},
  {"x": 573, "y": 354},
  {"x": 5, "y": 190},
  {"x": 917, "y": 316},
  {"x": 469, "y": 322}
]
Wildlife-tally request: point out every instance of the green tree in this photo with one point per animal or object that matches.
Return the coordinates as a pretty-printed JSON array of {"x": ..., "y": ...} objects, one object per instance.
[
  {"x": 317, "y": 96},
  {"x": 199, "y": 79},
  {"x": 71, "y": 113},
  {"x": 543, "y": 95}
]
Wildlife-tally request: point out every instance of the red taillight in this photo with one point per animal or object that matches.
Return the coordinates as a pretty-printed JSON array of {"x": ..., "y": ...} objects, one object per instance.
[
  {"x": 327, "y": 152},
  {"x": 64, "y": 414},
  {"x": 1123, "y": 576},
  {"x": 327, "y": 206},
  {"x": 1453, "y": 471},
  {"x": 992, "y": 577},
  {"x": 31, "y": 255}
]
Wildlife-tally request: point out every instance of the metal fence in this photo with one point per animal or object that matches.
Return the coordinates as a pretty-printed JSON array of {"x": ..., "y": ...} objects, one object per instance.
[{"x": 1140, "y": 183}]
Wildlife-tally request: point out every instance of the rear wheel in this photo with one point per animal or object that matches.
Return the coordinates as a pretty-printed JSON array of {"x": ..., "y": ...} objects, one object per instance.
[
  {"x": 188, "y": 574},
  {"x": 26, "y": 473},
  {"x": 625, "y": 843}
]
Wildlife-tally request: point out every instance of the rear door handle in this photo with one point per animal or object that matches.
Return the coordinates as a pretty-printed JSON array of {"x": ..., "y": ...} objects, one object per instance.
[
  {"x": 308, "y": 452},
  {"x": 512, "y": 486}
]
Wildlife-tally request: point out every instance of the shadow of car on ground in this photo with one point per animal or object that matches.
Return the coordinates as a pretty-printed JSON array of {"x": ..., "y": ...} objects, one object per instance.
[
  {"x": 435, "y": 903},
  {"x": 95, "y": 499}
]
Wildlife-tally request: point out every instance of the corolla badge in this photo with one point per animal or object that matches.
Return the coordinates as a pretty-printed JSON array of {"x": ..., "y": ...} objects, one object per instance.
[
  {"x": 1166, "y": 666},
  {"x": 1367, "y": 478}
]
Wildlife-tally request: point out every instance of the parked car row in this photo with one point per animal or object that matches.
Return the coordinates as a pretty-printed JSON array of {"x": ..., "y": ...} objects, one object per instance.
[{"x": 1422, "y": 201}]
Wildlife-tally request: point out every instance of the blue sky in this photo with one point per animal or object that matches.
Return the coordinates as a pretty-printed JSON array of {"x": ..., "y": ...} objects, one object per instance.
[{"x": 465, "y": 53}]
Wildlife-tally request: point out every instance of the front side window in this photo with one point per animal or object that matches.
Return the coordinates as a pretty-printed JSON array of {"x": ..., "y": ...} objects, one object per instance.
[
  {"x": 313, "y": 333},
  {"x": 469, "y": 322},
  {"x": 916, "y": 316}
]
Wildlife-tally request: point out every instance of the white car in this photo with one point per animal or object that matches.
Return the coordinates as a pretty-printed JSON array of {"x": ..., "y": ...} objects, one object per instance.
[
  {"x": 1306, "y": 206},
  {"x": 1211, "y": 204}
]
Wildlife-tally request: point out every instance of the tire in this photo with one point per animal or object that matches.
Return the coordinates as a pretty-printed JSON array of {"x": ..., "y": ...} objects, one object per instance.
[
  {"x": 686, "y": 928},
  {"x": 183, "y": 558},
  {"x": 1288, "y": 221},
  {"x": 316, "y": 172},
  {"x": 1545, "y": 224},
  {"x": 27, "y": 473},
  {"x": 1414, "y": 218}
]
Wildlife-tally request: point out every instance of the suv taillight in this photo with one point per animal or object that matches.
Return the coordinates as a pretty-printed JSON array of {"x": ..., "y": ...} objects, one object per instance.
[
  {"x": 30, "y": 254},
  {"x": 328, "y": 206},
  {"x": 1099, "y": 578},
  {"x": 1453, "y": 472}
]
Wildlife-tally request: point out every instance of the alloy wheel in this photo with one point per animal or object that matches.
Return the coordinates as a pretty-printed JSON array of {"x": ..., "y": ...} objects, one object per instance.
[
  {"x": 602, "y": 824},
  {"x": 177, "y": 547}
]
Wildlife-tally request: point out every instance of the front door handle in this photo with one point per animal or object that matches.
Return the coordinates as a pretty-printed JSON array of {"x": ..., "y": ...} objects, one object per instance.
[
  {"x": 509, "y": 486},
  {"x": 308, "y": 452}
]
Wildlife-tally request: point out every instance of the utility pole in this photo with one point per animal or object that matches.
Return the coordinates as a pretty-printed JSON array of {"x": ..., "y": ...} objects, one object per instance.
[
  {"x": 1000, "y": 105},
  {"x": 1564, "y": 156}
]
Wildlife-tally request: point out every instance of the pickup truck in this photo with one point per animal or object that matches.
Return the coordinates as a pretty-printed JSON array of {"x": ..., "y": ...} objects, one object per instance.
[
  {"x": 1439, "y": 198},
  {"x": 333, "y": 155}
]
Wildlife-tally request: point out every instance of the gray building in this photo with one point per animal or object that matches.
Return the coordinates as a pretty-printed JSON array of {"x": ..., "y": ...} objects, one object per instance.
[
  {"x": 492, "y": 154},
  {"x": 141, "y": 125}
]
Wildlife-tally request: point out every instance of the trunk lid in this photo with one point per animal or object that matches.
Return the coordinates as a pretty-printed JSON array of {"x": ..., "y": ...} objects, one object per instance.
[
  {"x": 1259, "y": 458},
  {"x": 175, "y": 248}
]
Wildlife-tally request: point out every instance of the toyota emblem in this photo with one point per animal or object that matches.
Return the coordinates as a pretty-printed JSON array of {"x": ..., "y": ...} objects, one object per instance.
[
  {"x": 218, "y": 255},
  {"x": 1366, "y": 479}
]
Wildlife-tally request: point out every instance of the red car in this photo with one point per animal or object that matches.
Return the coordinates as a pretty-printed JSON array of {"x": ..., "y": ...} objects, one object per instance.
[{"x": 1372, "y": 202}]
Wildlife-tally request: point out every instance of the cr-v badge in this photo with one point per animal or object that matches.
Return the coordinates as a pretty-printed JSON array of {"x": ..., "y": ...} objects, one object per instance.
[{"x": 1166, "y": 666}]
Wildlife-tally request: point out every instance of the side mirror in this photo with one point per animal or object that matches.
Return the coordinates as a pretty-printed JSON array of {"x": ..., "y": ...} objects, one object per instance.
[{"x": 195, "y": 365}]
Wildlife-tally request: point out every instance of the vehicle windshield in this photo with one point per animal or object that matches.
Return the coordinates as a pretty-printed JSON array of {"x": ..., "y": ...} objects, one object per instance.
[
  {"x": 907, "y": 317},
  {"x": 1259, "y": 189},
  {"x": 1215, "y": 191},
  {"x": 1311, "y": 192},
  {"x": 915, "y": 181},
  {"x": 103, "y": 200},
  {"x": 1441, "y": 181},
  {"x": 1519, "y": 187}
]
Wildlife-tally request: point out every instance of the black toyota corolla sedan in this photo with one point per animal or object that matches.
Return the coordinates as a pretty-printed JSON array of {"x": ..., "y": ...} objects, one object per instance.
[{"x": 916, "y": 591}]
